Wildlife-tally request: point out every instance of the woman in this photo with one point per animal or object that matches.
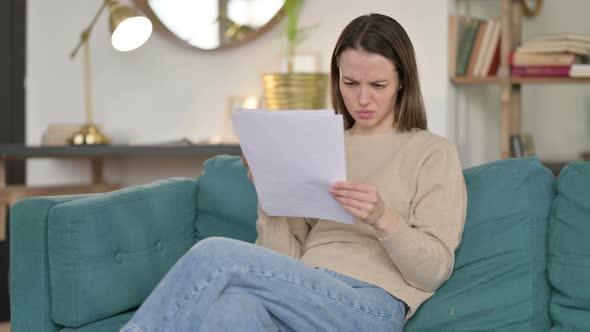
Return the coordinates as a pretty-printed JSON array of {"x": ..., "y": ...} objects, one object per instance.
[{"x": 405, "y": 186}]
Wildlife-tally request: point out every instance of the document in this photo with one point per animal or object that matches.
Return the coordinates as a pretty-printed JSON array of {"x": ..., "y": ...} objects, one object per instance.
[{"x": 294, "y": 157}]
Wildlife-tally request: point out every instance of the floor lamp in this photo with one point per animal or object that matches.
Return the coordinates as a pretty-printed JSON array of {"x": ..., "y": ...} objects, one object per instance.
[{"x": 129, "y": 30}]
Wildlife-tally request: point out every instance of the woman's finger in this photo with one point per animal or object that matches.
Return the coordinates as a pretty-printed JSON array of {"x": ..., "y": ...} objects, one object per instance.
[
  {"x": 354, "y": 186},
  {"x": 361, "y": 196},
  {"x": 360, "y": 214},
  {"x": 362, "y": 206}
]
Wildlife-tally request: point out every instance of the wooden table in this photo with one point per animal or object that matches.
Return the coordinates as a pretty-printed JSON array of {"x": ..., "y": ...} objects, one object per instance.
[{"x": 96, "y": 155}]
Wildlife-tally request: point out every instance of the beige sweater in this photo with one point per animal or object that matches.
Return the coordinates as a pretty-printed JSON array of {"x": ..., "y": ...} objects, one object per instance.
[{"x": 419, "y": 177}]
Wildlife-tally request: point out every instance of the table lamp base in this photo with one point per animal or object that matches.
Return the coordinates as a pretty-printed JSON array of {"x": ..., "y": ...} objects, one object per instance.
[{"x": 89, "y": 135}]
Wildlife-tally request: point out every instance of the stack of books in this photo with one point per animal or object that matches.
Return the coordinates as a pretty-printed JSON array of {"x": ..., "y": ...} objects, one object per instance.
[
  {"x": 58, "y": 134},
  {"x": 558, "y": 55},
  {"x": 474, "y": 46}
]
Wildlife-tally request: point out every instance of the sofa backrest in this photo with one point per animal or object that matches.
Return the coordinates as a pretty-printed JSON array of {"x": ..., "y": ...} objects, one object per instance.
[
  {"x": 500, "y": 278},
  {"x": 499, "y": 281},
  {"x": 108, "y": 251},
  {"x": 569, "y": 250},
  {"x": 226, "y": 200}
]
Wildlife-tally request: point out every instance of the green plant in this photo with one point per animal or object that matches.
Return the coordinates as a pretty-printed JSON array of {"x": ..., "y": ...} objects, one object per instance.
[{"x": 294, "y": 33}]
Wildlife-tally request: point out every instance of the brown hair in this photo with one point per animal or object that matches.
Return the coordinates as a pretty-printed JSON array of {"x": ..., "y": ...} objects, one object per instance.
[{"x": 380, "y": 34}]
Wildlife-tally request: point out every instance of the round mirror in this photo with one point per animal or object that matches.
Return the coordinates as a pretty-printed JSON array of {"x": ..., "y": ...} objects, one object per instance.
[{"x": 213, "y": 24}]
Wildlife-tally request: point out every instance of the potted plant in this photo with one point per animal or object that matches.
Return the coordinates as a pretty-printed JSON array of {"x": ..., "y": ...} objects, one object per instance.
[{"x": 294, "y": 90}]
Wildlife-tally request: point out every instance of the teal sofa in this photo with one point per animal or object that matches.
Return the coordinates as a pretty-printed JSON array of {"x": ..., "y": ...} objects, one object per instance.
[{"x": 85, "y": 263}]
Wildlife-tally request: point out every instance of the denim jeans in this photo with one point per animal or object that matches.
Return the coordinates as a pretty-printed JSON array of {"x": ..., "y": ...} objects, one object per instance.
[{"x": 228, "y": 285}]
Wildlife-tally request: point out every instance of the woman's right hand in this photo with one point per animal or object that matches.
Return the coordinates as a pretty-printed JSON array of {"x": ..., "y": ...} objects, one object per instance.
[{"x": 245, "y": 162}]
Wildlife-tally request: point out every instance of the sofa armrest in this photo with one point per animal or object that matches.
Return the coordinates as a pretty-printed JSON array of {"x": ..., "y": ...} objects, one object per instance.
[
  {"x": 108, "y": 251},
  {"x": 29, "y": 269},
  {"x": 101, "y": 254}
]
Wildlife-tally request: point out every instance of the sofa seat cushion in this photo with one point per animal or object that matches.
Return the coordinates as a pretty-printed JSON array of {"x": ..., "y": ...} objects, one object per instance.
[
  {"x": 108, "y": 251},
  {"x": 227, "y": 200},
  {"x": 569, "y": 250},
  {"x": 111, "y": 324},
  {"x": 499, "y": 281}
]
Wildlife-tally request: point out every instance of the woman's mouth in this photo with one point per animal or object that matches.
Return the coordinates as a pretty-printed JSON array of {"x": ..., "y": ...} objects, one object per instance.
[{"x": 365, "y": 114}]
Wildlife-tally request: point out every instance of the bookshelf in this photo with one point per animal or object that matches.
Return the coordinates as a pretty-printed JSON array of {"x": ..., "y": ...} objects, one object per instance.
[{"x": 510, "y": 87}]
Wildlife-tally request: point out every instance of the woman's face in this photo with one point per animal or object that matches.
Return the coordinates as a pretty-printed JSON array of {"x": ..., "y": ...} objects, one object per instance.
[{"x": 369, "y": 85}]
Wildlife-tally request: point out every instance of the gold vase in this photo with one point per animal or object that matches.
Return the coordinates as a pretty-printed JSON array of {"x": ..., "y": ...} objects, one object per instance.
[{"x": 295, "y": 91}]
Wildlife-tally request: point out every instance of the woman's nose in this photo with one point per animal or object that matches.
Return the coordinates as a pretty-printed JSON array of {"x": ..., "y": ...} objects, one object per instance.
[{"x": 364, "y": 96}]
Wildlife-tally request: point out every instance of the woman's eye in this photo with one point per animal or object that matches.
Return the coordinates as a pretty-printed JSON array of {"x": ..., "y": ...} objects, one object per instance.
[
  {"x": 349, "y": 83},
  {"x": 379, "y": 86}
]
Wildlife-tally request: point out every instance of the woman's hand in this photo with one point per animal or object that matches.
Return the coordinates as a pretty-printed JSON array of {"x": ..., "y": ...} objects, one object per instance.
[
  {"x": 245, "y": 162},
  {"x": 364, "y": 202}
]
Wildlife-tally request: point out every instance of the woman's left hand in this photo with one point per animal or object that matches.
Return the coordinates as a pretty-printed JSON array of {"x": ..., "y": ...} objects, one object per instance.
[{"x": 362, "y": 200}]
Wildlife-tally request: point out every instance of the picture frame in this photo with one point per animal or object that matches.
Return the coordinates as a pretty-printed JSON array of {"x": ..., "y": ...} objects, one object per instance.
[{"x": 228, "y": 135}]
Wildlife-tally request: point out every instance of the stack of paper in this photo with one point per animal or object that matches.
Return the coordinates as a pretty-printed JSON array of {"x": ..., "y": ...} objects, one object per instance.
[{"x": 294, "y": 157}]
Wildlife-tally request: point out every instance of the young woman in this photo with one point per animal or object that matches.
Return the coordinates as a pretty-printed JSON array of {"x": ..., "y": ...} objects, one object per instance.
[{"x": 405, "y": 186}]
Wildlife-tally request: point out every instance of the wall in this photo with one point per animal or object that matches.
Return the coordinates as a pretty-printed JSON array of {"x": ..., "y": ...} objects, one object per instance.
[{"x": 163, "y": 92}]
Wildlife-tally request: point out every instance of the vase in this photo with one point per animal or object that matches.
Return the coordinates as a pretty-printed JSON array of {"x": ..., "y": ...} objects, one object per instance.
[{"x": 291, "y": 91}]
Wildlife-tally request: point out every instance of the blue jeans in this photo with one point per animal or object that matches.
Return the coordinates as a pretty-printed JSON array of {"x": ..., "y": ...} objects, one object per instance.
[{"x": 228, "y": 285}]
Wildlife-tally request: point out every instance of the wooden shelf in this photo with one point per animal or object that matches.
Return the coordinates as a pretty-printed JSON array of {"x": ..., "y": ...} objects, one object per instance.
[
  {"x": 475, "y": 80},
  {"x": 21, "y": 151}
]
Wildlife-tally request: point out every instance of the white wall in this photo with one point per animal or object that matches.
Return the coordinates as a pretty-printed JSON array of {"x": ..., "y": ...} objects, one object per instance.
[{"x": 163, "y": 92}]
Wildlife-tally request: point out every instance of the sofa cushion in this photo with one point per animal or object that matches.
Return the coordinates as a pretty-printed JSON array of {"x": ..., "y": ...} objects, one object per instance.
[
  {"x": 108, "y": 251},
  {"x": 569, "y": 250},
  {"x": 227, "y": 200},
  {"x": 499, "y": 281}
]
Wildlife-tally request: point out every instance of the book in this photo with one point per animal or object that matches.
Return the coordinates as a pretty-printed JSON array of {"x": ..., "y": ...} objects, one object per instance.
[
  {"x": 491, "y": 58},
  {"x": 456, "y": 29},
  {"x": 528, "y": 144},
  {"x": 59, "y": 134},
  {"x": 563, "y": 36},
  {"x": 555, "y": 47},
  {"x": 466, "y": 45},
  {"x": 516, "y": 146},
  {"x": 484, "y": 48},
  {"x": 477, "y": 49},
  {"x": 541, "y": 71},
  {"x": 495, "y": 64},
  {"x": 522, "y": 145},
  {"x": 546, "y": 59},
  {"x": 580, "y": 70}
]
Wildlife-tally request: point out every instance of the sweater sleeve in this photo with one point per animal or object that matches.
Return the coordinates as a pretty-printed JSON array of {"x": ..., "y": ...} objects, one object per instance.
[
  {"x": 286, "y": 235},
  {"x": 423, "y": 245}
]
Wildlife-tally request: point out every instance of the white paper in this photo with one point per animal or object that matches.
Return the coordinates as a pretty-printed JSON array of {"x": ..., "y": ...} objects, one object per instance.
[{"x": 295, "y": 157}]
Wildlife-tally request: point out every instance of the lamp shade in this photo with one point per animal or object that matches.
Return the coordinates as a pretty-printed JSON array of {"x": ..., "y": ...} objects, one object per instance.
[{"x": 129, "y": 28}]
